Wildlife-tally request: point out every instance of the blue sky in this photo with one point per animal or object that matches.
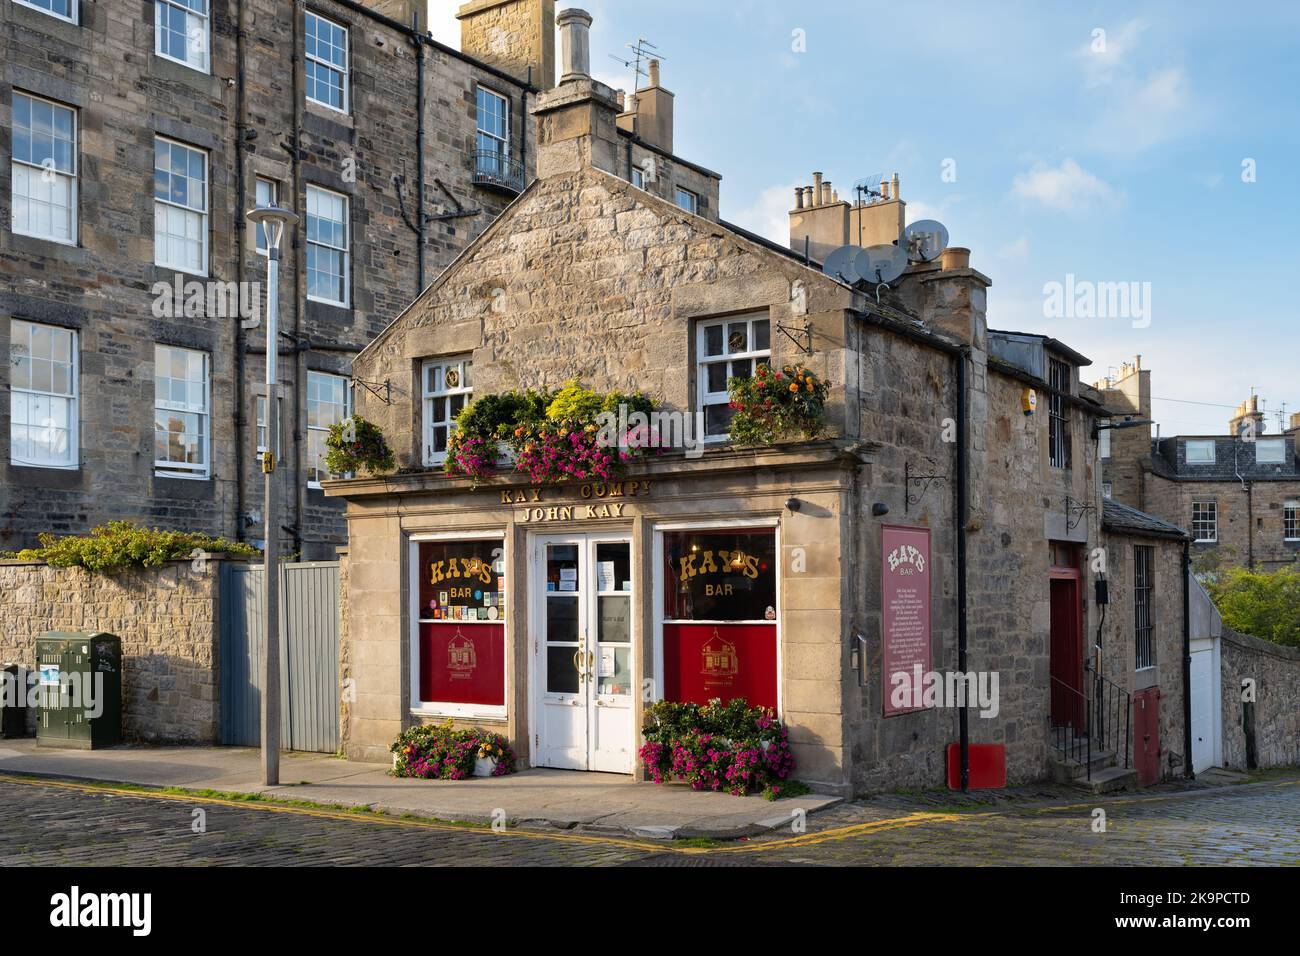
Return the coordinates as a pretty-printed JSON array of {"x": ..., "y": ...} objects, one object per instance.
[{"x": 1115, "y": 157}]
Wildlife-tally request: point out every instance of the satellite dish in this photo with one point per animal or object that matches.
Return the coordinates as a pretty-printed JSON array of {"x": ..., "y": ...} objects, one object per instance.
[
  {"x": 925, "y": 239},
  {"x": 883, "y": 263},
  {"x": 841, "y": 264}
]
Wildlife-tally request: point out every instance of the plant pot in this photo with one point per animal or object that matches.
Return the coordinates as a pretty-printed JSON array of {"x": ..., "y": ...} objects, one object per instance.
[{"x": 483, "y": 766}]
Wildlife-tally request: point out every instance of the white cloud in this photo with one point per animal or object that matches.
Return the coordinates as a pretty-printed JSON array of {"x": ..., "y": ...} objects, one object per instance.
[
  {"x": 1067, "y": 188},
  {"x": 1017, "y": 251},
  {"x": 769, "y": 214},
  {"x": 1104, "y": 57}
]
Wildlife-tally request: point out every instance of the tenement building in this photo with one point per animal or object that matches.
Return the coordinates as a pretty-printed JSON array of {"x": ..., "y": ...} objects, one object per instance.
[
  {"x": 1237, "y": 493},
  {"x": 136, "y": 136},
  {"x": 948, "y": 520}
]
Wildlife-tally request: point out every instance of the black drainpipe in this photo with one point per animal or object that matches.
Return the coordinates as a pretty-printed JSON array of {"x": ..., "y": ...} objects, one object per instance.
[
  {"x": 241, "y": 193},
  {"x": 299, "y": 285},
  {"x": 963, "y": 715},
  {"x": 1188, "y": 771},
  {"x": 419, "y": 151}
]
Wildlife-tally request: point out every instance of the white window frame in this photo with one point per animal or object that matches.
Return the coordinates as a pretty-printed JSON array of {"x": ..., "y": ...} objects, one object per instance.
[
  {"x": 1107, "y": 490},
  {"x": 259, "y": 405},
  {"x": 694, "y": 208},
  {"x": 428, "y": 708},
  {"x": 345, "y": 261},
  {"x": 638, "y": 177},
  {"x": 318, "y": 429},
  {"x": 703, "y": 397},
  {"x": 71, "y": 177},
  {"x": 259, "y": 229},
  {"x": 1291, "y": 520},
  {"x": 1212, "y": 521},
  {"x": 172, "y": 469},
  {"x": 345, "y": 93},
  {"x": 70, "y": 18},
  {"x": 1103, "y": 440},
  {"x": 191, "y": 210},
  {"x": 72, "y": 461},
  {"x": 1279, "y": 443},
  {"x": 1200, "y": 444},
  {"x": 428, "y": 395},
  {"x": 205, "y": 18},
  {"x": 504, "y": 101}
]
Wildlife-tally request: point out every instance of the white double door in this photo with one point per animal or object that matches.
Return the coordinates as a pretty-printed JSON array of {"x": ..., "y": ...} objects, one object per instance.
[{"x": 581, "y": 632}]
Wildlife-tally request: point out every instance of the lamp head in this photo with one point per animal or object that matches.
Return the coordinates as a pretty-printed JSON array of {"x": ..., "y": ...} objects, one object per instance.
[{"x": 273, "y": 220}]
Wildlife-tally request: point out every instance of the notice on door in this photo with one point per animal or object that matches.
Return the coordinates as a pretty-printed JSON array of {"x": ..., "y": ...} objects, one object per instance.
[{"x": 905, "y": 616}]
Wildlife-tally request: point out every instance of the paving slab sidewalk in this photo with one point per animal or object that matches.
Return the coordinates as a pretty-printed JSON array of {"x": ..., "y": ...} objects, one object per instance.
[{"x": 595, "y": 802}]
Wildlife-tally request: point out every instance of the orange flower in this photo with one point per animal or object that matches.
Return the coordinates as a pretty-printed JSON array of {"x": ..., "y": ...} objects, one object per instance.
[{"x": 794, "y": 387}]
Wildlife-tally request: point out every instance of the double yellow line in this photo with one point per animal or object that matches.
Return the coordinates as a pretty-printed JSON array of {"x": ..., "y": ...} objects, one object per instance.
[{"x": 583, "y": 839}]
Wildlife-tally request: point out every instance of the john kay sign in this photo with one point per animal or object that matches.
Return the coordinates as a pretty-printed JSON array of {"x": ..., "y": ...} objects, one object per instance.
[
  {"x": 603, "y": 499},
  {"x": 905, "y": 608}
]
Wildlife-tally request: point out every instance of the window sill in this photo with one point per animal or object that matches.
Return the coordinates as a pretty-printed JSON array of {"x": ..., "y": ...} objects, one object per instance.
[
  {"x": 461, "y": 711},
  {"x": 180, "y": 476},
  {"x": 182, "y": 271},
  {"x": 205, "y": 70},
  {"x": 67, "y": 243}
]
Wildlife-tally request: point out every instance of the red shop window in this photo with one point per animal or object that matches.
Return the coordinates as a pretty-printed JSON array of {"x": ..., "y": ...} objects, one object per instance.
[
  {"x": 461, "y": 622},
  {"x": 719, "y": 632}
]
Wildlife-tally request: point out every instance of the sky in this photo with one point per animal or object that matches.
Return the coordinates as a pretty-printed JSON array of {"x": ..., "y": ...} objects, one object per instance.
[{"x": 1067, "y": 145}]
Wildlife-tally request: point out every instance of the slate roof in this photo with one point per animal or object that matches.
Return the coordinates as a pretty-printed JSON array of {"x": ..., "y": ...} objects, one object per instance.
[
  {"x": 1231, "y": 457},
  {"x": 1122, "y": 518}
]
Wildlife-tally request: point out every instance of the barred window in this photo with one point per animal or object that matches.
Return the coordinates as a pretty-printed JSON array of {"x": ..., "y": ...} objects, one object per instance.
[
  {"x": 1205, "y": 521},
  {"x": 1143, "y": 587},
  {"x": 1058, "y": 430}
]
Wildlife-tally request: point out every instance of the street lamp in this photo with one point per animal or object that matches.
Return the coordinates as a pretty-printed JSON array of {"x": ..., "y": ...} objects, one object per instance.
[{"x": 273, "y": 221}]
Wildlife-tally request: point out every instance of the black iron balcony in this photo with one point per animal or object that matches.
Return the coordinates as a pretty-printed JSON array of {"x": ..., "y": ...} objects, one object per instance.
[{"x": 498, "y": 171}]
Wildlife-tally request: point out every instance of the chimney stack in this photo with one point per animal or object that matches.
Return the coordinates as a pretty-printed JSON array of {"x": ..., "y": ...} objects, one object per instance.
[
  {"x": 654, "y": 113},
  {"x": 1247, "y": 411},
  {"x": 515, "y": 36},
  {"x": 575, "y": 44}
]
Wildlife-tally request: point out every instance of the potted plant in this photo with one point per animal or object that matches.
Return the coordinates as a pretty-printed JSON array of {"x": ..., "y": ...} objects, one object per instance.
[
  {"x": 771, "y": 405},
  {"x": 356, "y": 444}
]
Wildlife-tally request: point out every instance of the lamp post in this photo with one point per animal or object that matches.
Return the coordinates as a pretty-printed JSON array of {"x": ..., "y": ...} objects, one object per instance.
[{"x": 273, "y": 221}]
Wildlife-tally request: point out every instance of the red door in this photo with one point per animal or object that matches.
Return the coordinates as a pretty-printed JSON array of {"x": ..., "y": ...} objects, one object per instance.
[
  {"x": 1146, "y": 735},
  {"x": 1066, "y": 665}
]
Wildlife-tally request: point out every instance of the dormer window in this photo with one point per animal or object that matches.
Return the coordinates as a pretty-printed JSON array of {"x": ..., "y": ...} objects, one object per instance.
[
  {"x": 1200, "y": 452},
  {"x": 1271, "y": 451}
]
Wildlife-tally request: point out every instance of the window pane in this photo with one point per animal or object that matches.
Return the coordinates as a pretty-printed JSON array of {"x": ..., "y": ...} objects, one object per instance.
[{"x": 720, "y": 575}]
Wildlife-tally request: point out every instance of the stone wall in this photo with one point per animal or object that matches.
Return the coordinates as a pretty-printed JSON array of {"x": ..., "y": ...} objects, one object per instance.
[
  {"x": 167, "y": 618},
  {"x": 1248, "y": 520},
  {"x": 124, "y": 94},
  {"x": 1118, "y": 640},
  {"x": 512, "y": 35},
  {"x": 1275, "y": 671}
]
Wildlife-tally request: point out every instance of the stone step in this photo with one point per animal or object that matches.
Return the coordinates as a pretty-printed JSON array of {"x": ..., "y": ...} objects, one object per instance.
[
  {"x": 1067, "y": 770},
  {"x": 1110, "y": 780}
]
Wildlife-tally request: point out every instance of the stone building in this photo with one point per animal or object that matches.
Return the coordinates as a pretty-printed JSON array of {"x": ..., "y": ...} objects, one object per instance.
[
  {"x": 1237, "y": 493},
  {"x": 586, "y": 607},
  {"x": 130, "y": 298}
]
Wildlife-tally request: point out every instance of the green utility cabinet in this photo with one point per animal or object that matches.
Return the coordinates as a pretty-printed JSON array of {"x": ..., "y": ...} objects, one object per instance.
[{"x": 68, "y": 663}]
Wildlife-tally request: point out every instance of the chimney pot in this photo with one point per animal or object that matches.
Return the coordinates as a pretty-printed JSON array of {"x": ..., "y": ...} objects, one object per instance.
[
  {"x": 798, "y": 197},
  {"x": 817, "y": 189},
  {"x": 654, "y": 72},
  {"x": 893, "y": 191},
  {"x": 826, "y": 193},
  {"x": 575, "y": 44}
]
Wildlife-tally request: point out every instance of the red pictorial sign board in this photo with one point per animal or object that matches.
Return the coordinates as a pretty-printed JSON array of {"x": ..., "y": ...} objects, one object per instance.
[
  {"x": 703, "y": 661},
  {"x": 463, "y": 665},
  {"x": 905, "y": 616}
]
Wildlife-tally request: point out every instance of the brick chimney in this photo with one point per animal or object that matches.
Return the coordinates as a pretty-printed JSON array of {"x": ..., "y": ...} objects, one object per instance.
[
  {"x": 1247, "y": 411},
  {"x": 577, "y": 120},
  {"x": 829, "y": 222},
  {"x": 511, "y": 35}
]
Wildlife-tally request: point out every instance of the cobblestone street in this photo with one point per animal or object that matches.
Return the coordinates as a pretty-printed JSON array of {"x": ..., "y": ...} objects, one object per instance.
[{"x": 54, "y": 823}]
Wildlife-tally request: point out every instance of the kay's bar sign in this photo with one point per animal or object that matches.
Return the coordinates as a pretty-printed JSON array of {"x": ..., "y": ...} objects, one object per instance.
[{"x": 905, "y": 609}]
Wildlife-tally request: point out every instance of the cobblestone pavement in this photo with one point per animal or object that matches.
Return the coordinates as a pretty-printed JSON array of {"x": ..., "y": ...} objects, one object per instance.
[{"x": 49, "y": 823}]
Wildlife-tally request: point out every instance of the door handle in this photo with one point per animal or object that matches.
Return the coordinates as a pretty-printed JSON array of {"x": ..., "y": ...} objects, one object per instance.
[
  {"x": 576, "y": 666},
  {"x": 591, "y": 659}
]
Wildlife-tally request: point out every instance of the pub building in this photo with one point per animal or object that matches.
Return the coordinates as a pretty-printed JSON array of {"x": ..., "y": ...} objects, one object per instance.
[{"x": 950, "y": 516}]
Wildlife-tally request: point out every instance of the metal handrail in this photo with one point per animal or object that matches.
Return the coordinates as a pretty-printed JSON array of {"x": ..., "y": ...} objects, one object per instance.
[
  {"x": 1112, "y": 702},
  {"x": 495, "y": 168},
  {"x": 1079, "y": 739}
]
